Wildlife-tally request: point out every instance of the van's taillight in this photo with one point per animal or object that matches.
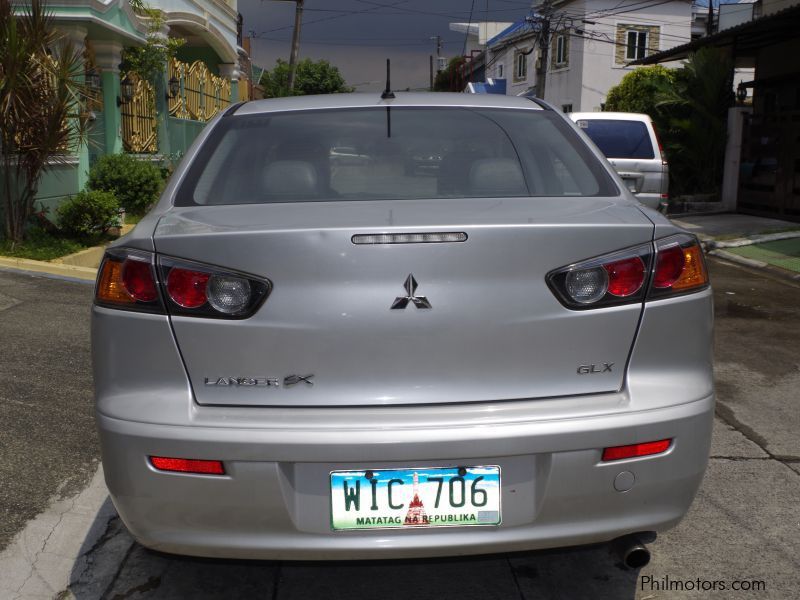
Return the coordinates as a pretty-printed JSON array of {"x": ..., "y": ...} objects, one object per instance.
[
  {"x": 130, "y": 280},
  {"x": 674, "y": 266},
  {"x": 660, "y": 147},
  {"x": 636, "y": 450},
  {"x": 127, "y": 279}
]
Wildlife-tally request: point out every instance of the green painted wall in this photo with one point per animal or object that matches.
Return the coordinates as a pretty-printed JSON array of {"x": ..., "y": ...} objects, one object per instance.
[{"x": 189, "y": 54}]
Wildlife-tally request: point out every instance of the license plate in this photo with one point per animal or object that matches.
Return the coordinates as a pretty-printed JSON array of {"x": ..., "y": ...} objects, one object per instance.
[{"x": 427, "y": 497}]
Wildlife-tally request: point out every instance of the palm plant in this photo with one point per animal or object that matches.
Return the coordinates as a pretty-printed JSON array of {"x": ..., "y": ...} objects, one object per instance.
[
  {"x": 41, "y": 102},
  {"x": 697, "y": 106}
]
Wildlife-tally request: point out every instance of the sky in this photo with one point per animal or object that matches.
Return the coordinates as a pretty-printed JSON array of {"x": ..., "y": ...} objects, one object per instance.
[{"x": 359, "y": 35}]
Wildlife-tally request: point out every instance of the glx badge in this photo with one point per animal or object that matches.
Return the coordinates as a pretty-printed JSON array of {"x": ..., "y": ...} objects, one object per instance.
[{"x": 591, "y": 369}]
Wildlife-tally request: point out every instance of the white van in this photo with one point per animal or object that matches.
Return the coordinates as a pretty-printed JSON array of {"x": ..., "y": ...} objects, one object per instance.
[{"x": 630, "y": 144}]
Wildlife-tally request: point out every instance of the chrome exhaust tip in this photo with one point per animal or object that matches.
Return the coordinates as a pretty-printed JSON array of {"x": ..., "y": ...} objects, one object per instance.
[{"x": 632, "y": 552}]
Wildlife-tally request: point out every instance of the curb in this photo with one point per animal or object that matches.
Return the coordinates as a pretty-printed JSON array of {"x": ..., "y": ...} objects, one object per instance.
[
  {"x": 51, "y": 268},
  {"x": 753, "y": 239},
  {"x": 756, "y": 264}
]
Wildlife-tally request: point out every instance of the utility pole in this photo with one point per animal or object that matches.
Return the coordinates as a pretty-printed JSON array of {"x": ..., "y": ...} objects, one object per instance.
[
  {"x": 431, "y": 69},
  {"x": 544, "y": 48},
  {"x": 298, "y": 21},
  {"x": 438, "y": 39},
  {"x": 710, "y": 22}
]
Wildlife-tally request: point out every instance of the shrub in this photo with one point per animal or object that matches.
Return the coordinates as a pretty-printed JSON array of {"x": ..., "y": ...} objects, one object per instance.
[
  {"x": 90, "y": 213},
  {"x": 136, "y": 183}
]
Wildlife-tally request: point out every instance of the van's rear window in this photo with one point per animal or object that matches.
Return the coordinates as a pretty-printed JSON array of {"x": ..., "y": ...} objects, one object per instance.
[
  {"x": 396, "y": 154},
  {"x": 619, "y": 139}
]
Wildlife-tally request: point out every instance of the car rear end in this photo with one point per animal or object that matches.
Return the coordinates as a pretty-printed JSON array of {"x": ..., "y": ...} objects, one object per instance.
[
  {"x": 631, "y": 144},
  {"x": 299, "y": 358}
]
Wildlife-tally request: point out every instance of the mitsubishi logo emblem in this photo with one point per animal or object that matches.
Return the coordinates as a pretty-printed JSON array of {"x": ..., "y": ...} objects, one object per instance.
[{"x": 411, "y": 287}]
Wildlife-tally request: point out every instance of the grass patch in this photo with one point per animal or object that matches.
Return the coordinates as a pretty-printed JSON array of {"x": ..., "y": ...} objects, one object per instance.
[
  {"x": 783, "y": 253},
  {"x": 40, "y": 245},
  {"x": 132, "y": 219}
]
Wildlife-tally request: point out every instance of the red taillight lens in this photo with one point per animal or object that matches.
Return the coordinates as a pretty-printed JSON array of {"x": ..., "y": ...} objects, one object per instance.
[
  {"x": 187, "y": 288},
  {"x": 680, "y": 266},
  {"x": 188, "y": 465},
  {"x": 634, "y": 450},
  {"x": 669, "y": 266},
  {"x": 137, "y": 277},
  {"x": 625, "y": 277},
  {"x": 127, "y": 280}
]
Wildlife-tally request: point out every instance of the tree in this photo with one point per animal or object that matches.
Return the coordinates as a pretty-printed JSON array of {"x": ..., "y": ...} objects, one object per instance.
[
  {"x": 640, "y": 92},
  {"x": 41, "y": 102},
  {"x": 150, "y": 60},
  {"x": 320, "y": 77},
  {"x": 698, "y": 106},
  {"x": 451, "y": 78}
]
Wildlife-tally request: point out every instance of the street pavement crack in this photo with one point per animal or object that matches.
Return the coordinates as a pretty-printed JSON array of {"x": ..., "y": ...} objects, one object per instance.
[
  {"x": 151, "y": 584},
  {"x": 726, "y": 414},
  {"x": 121, "y": 566},
  {"x": 514, "y": 577}
]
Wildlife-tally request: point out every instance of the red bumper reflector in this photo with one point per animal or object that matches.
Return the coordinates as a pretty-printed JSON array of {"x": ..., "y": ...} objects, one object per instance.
[
  {"x": 644, "y": 449},
  {"x": 188, "y": 465}
]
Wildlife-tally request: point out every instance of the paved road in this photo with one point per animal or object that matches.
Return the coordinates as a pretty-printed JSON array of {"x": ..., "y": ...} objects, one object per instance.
[
  {"x": 744, "y": 525},
  {"x": 47, "y": 441}
]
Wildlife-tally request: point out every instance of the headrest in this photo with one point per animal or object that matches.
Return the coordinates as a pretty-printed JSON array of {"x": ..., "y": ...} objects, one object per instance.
[
  {"x": 497, "y": 177},
  {"x": 290, "y": 178}
]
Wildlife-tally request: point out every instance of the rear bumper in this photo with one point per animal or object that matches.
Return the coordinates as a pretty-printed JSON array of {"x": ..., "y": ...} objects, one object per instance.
[{"x": 274, "y": 501}]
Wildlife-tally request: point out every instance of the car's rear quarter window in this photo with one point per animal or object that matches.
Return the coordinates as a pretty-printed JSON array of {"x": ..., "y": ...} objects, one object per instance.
[
  {"x": 398, "y": 153},
  {"x": 618, "y": 138}
]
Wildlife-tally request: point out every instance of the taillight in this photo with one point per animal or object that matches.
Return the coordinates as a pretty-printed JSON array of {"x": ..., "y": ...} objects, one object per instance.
[
  {"x": 198, "y": 290},
  {"x": 129, "y": 279},
  {"x": 680, "y": 266},
  {"x": 617, "y": 278},
  {"x": 674, "y": 266},
  {"x": 660, "y": 147}
]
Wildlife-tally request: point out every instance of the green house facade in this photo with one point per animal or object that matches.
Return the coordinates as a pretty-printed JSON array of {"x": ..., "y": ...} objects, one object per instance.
[{"x": 127, "y": 114}]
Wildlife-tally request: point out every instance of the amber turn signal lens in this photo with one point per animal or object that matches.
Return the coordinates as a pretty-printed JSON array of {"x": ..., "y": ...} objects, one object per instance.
[
  {"x": 694, "y": 269},
  {"x": 110, "y": 287}
]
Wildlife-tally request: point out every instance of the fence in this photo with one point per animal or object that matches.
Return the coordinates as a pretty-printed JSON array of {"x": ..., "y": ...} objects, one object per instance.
[
  {"x": 201, "y": 94},
  {"x": 139, "y": 123}
]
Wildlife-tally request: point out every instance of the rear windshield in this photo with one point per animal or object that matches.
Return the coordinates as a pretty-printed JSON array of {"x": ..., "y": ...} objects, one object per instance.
[
  {"x": 394, "y": 154},
  {"x": 619, "y": 139}
]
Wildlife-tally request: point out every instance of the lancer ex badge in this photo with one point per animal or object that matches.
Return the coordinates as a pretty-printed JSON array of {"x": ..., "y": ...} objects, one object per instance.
[{"x": 411, "y": 287}]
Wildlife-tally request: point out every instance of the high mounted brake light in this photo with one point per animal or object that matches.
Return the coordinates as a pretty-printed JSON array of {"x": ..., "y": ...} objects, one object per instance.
[{"x": 672, "y": 266}]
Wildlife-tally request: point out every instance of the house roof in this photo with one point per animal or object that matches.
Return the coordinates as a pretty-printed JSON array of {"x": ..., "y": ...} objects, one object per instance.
[
  {"x": 519, "y": 29},
  {"x": 745, "y": 39}
]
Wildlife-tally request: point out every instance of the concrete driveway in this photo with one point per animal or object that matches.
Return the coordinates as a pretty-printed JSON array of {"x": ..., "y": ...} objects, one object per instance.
[{"x": 742, "y": 531}]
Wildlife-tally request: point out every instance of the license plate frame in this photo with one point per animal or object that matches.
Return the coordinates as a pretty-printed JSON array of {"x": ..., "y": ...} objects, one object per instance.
[{"x": 453, "y": 496}]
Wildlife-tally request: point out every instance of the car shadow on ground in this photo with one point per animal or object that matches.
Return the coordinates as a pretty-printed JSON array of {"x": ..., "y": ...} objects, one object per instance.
[{"x": 113, "y": 566}]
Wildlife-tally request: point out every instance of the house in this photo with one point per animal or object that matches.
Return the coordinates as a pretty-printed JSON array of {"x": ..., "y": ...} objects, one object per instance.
[
  {"x": 762, "y": 161},
  {"x": 592, "y": 45},
  {"x": 129, "y": 114}
]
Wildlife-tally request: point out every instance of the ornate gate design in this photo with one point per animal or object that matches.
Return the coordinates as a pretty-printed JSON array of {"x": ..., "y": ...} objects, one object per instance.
[{"x": 139, "y": 123}]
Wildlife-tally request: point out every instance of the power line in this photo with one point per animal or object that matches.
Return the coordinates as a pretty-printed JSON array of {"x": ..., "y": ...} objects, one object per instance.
[{"x": 469, "y": 25}]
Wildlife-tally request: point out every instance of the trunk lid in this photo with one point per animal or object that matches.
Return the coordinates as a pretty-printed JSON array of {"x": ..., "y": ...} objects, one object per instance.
[{"x": 494, "y": 331}]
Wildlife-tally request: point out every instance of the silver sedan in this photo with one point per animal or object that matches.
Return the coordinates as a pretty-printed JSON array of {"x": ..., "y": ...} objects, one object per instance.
[{"x": 303, "y": 357}]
